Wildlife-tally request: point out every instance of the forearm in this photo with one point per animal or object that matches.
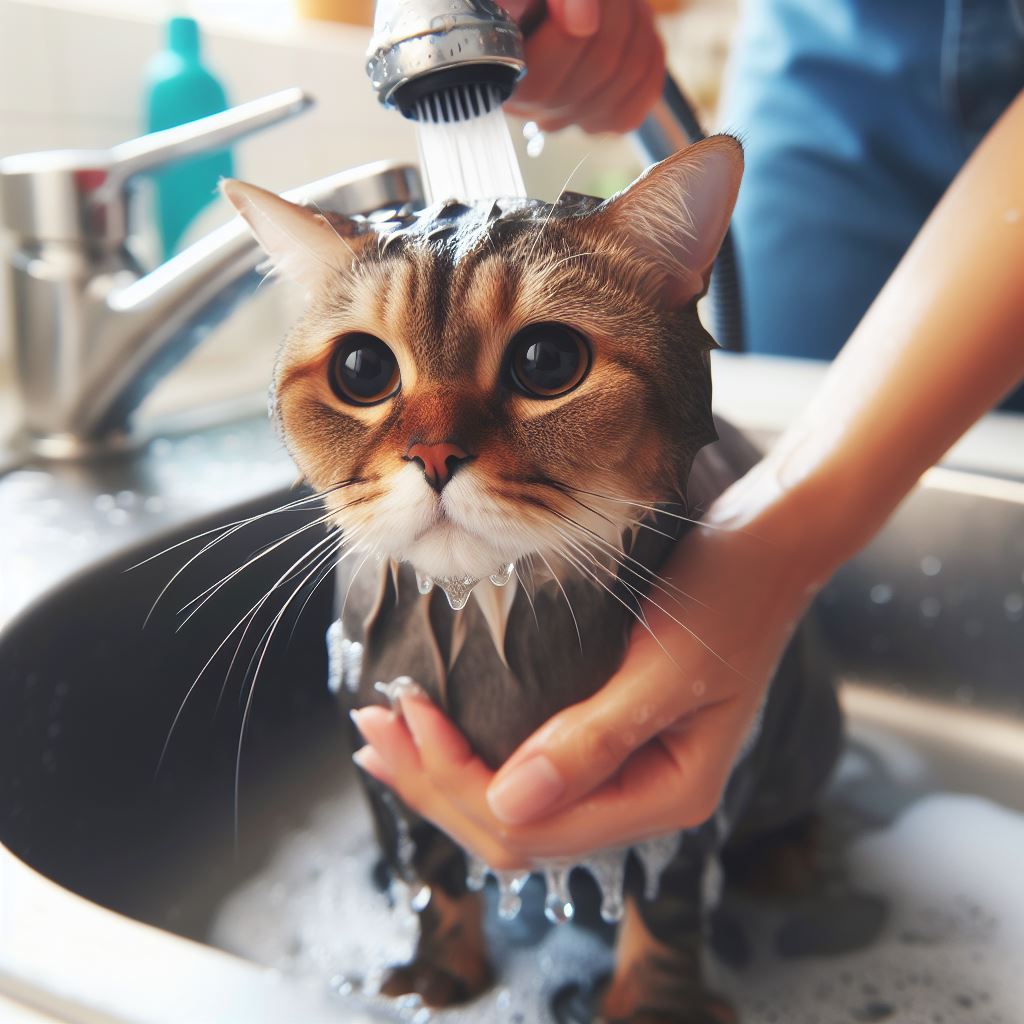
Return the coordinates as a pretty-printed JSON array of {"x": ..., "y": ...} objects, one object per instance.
[{"x": 943, "y": 342}]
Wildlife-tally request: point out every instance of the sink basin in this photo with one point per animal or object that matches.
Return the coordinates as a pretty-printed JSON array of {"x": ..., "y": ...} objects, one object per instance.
[{"x": 925, "y": 628}]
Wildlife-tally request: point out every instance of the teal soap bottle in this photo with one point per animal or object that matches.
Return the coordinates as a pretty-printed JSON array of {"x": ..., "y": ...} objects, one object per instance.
[{"x": 180, "y": 89}]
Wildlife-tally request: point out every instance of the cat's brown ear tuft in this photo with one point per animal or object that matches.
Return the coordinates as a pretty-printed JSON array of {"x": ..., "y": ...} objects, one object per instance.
[
  {"x": 301, "y": 245},
  {"x": 676, "y": 213}
]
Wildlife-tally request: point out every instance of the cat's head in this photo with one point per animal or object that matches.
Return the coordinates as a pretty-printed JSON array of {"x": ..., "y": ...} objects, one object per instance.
[{"x": 476, "y": 384}]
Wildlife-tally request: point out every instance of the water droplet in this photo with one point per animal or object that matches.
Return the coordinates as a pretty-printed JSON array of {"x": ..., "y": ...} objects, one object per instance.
[
  {"x": 931, "y": 566},
  {"x": 342, "y": 985},
  {"x": 476, "y": 873},
  {"x": 1013, "y": 604},
  {"x": 510, "y": 885},
  {"x": 931, "y": 608},
  {"x": 394, "y": 690},
  {"x": 421, "y": 898},
  {"x": 655, "y": 855},
  {"x": 424, "y": 584},
  {"x": 409, "y": 1003},
  {"x": 336, "y": 644},
  {"x": 881, "y": 593},
  {"x": 642, "y": 714},
  {"x": 500, "y": 579},
  {"x": 457, "y": 589},
  {"x": 535, "y": 138},
  {"x": 352, "y": 666},
  {"x": 558, "y": 904},
  {"x": 699, "y": 687},
  {"x": 608, "y": 869}
]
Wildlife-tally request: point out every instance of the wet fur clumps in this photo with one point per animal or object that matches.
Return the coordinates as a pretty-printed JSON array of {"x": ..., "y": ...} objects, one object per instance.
[{"x": 585, "y": 493}]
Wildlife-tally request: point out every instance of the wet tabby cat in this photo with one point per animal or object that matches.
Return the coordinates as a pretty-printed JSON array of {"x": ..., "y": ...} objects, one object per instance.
[{"x": 516, "y": 384}]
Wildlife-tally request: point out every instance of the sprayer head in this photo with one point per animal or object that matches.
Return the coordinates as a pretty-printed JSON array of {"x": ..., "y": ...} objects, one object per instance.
[{"x": 424, "y": 52}]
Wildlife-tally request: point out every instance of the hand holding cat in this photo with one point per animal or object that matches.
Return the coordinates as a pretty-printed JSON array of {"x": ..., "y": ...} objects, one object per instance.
[
  {"x": 596, "y": 63},
  {"x": 651, "y": 751}
]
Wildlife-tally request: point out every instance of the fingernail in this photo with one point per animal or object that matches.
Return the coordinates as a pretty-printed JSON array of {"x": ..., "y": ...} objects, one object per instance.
[
  {"x": 410, "y": 700},
  {"x": 527, "y": 791},
  {"x": 354, "y": 716},
  {"x": 581, "y": 17},
  {"x": 371, "y": 762}
]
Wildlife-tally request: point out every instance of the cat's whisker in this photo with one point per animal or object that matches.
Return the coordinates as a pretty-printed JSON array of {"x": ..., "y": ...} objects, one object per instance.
[
  {"x": 566, "y": 259},
  {"x": 642, "y": 596},
  {"x": 228, "y": 531},
  {"x": 297, "y": 568},
  {"x": 200, "y": 599},
  {"x": 328, "y": 569},
  {"x": 313, "y": 555},
  {"x": 359, "y": 569},
  {"x": 237, "y": 523},
  {"x": 197, "y": 602},
  {"x": 529, "y": 591},
  {"x": 652, "y": 577},
  {"x": 554, "y": 206},
  {"x": 645, "y": 573},
  {"x": 330, "y": 223},
  {"x": 637, "y": 613},
  {"x": 659, "y": 511},
  {"x": 252, "y": 688},
  {"x": 568, "y": 603},
  {"x": 245, "y": 620}
]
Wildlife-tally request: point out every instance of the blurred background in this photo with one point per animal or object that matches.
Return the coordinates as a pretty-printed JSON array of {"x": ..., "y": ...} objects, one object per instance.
[{"x": 74, "y": 74}]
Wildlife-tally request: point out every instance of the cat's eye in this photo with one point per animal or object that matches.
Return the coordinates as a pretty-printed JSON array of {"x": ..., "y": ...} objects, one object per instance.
[
  {"x": 363, "y": 370},
  {"x": 548, "y": 360}
]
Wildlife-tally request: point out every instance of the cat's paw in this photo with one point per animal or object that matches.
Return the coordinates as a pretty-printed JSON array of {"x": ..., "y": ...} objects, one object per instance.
[{"x": 437, "y": 986}]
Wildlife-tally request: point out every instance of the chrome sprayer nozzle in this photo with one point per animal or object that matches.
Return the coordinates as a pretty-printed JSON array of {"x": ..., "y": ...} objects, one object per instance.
[{"x": 422, "y": 46}]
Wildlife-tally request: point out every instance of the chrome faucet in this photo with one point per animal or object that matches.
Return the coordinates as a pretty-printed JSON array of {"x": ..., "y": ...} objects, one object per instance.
[{"x": 93, "y": 332}]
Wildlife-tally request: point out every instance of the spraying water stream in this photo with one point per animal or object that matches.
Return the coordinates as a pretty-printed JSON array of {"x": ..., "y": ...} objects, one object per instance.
[{"x": 466, "y": 149}]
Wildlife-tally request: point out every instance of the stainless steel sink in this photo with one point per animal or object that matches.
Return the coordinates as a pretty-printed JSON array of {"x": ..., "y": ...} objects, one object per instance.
[{"x": 926, "y": 628}]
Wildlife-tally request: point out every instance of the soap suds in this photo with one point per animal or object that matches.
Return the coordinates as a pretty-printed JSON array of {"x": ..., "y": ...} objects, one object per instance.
[{"x": 951, "y": 869}]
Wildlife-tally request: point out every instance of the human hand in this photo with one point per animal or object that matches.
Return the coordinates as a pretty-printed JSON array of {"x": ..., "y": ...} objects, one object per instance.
[
  {"x": 596, "y": 63},
  {"x": 651, "y": 752}
]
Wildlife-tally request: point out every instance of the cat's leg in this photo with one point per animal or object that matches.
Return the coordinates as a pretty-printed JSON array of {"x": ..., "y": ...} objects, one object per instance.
[
  {"x": 450, "y": 964},
  {"x": 658, "y": 977}
]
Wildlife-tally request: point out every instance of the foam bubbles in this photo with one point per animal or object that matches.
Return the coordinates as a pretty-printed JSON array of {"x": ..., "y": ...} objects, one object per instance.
[{"x": 949, "y": 871}]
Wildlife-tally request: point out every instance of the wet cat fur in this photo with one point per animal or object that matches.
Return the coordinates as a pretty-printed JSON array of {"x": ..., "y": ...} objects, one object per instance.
[{"x": 447, "y": 289}]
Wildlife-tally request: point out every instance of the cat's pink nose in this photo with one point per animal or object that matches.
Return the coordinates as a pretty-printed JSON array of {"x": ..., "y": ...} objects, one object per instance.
[{"x": 438, "y": 461}]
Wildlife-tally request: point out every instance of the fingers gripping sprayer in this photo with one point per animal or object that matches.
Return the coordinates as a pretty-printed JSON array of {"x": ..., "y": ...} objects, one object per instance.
[{"x": 449, "y": 65}]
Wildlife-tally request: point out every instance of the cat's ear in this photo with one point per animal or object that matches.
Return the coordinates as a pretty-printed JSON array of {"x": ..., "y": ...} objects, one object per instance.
[
  {"x": 675, "y": 215},
  {"x": 301, "y": 245}
]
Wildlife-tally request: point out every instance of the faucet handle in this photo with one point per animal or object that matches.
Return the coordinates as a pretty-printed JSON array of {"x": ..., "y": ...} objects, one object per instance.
[
  {"x": 79, "y": 195},
  {"x": 148, "y": 152}
]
